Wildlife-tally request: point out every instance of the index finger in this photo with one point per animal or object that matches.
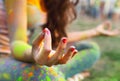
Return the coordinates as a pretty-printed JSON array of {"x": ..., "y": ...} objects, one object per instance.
[{"x": 38, "y": 40}]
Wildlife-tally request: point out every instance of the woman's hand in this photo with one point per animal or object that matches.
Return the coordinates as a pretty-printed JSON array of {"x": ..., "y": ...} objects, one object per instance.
[
  {"x": 43, "y": 53},
  {"x": 106, "y": 29}
]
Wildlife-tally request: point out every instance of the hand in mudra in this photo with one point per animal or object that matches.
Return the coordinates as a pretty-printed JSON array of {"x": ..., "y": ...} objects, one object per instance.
[
  {"x": 106, "y": 29},
  {"x": 43, "y": 53}
]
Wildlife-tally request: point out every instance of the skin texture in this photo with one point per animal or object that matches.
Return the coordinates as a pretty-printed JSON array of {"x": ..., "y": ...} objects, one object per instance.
[
  {"x": 16, "y": 24},
  {"x": 31, "y": 71},
  {"x": 88, "y": 54}
]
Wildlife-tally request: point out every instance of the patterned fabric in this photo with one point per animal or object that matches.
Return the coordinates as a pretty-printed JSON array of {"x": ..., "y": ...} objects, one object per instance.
[
  {"x": 88, "y": 54},
  {"x": 13, "y": 70},
  {"x": 4, "y": 40}
]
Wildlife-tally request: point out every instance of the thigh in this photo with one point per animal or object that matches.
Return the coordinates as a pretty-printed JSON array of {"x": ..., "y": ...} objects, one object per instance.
[
  {"x": 13, "y": 70},
  {"x": 88, "y": 54}
]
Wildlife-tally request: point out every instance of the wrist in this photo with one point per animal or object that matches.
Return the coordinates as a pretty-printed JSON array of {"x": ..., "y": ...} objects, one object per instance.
[
  {"x": 95, "y": 32},
  {"x": 28, "y": 55},
  {"x": 90, "y": 33}
]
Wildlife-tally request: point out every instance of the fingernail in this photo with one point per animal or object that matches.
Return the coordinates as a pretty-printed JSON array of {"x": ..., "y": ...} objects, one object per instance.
[
  {"x": 72, "y": 48},
  {"x": 74, "y": 53},
  {"x": 46, "y": 31},
  {"x": 64, "y": 40}
]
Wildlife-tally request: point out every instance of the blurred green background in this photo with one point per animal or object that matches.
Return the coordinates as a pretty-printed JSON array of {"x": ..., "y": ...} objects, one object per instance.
[{"x": 108, "y": 67}]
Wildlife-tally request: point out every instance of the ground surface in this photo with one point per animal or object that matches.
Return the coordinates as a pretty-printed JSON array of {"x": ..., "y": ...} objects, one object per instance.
[{"x": 108, "y": 67}]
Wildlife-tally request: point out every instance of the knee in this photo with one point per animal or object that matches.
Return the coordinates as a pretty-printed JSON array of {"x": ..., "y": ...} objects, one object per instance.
[
  {"x": 86, "y": 45},
  {"x": 91, "y": 49}
]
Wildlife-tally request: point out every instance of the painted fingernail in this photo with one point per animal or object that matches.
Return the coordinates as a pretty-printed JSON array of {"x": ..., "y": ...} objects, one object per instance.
[
  {"x": 46, "y": 31},
  {"x": 74, "y": 53},
  {"x": 72, "y": 48},
  {"x": 64, "y": 40}
]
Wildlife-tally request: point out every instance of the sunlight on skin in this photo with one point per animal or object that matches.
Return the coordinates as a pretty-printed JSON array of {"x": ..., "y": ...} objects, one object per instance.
[{"x": 18, "y": 24}]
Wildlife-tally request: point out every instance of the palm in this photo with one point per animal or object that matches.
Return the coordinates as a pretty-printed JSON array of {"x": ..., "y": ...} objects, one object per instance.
[
  {"x": 106, "y": 29},
  {"x": 43, "y": 53}
]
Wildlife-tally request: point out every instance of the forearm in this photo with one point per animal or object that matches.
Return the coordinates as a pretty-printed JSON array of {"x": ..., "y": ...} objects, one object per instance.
[
  {"x": 17, "y": 25},
  {"x": 77, "y": 36},
  {"x": 17, "y": 19}
]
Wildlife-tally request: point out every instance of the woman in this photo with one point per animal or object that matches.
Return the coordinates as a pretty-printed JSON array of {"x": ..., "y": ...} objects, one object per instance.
[{"x": 57, "y": 14}]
